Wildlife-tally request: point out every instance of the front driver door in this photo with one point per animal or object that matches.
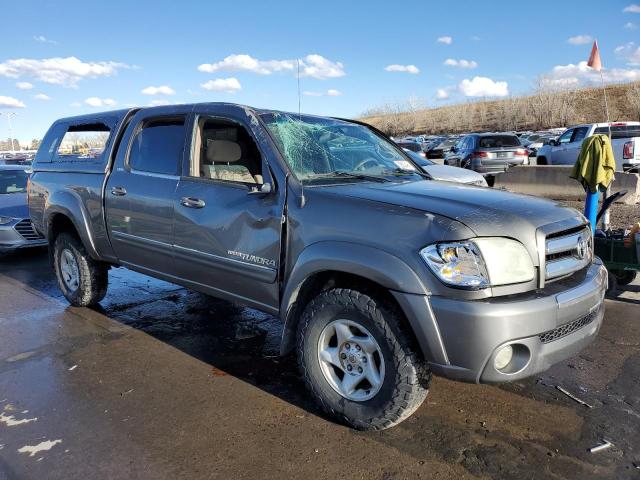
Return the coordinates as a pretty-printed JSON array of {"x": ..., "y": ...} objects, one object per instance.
[
  {"x": 227, "y": 232},
  {"x": 559, "y": 152}
]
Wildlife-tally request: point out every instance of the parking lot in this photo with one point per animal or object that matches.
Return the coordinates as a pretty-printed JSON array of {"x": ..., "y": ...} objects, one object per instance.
[{"x": 161, "y": 382}]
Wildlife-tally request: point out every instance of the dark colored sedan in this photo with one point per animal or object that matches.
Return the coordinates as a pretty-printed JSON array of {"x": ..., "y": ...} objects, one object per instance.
[
  {"x": 16, "y": 230},
  {"x": 488, "y": 153},
  {"x": 441, "y": 149}
]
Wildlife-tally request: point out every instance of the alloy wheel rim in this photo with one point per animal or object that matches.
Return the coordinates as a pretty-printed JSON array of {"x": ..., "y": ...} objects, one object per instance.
[
  {"x": 69, "y": 270},
  {"x": 351, "y": 360}
]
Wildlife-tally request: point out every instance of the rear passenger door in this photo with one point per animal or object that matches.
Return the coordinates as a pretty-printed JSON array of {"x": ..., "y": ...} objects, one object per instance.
[{"x": 140, "y": 191}]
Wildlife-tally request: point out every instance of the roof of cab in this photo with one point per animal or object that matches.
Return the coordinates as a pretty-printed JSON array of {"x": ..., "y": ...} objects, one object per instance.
[{"x": 92, "y": 117}]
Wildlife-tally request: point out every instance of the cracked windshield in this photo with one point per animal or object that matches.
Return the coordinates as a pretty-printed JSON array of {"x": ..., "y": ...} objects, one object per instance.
[{"x": 318, "y": 149}]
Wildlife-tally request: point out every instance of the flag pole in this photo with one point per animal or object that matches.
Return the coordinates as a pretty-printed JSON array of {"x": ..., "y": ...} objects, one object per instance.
[{"x": 606, "y": 219}]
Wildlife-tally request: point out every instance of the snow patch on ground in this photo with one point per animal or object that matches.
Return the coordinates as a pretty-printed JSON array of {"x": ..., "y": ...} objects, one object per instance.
[{"x": 41, "y": 447}]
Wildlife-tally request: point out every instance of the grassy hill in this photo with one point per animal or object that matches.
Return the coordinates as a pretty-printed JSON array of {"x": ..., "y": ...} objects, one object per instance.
[{"x": 545, "y": 108}]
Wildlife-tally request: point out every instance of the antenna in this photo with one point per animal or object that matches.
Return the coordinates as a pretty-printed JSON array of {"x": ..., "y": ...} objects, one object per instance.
[{"x": 299, "y": 100}]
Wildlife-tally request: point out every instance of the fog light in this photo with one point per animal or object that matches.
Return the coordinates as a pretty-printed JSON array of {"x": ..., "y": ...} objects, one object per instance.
[{"x": 503, "y": 357}]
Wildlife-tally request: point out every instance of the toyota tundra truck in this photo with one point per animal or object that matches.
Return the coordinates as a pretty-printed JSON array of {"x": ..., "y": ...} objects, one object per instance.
[{"x": 380, "y": 274}]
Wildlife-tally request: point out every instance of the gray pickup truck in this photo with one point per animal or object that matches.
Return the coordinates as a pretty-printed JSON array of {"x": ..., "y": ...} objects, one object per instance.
[{"x": 380, "y": 274}]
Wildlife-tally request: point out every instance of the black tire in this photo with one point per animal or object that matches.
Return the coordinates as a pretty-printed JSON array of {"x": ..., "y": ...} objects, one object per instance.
[
  {"x": 407, "y": 376},
  {"x": 541, "y": 161},
  {"x": 93, "y": 275},
  {"x": 612, "y": 289},
  {"x": 625, "y": 277}
]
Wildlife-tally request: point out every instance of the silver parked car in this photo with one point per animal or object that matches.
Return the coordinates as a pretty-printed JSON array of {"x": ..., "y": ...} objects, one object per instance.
[
  {"x": 16, "y": 230},
  {"x": 488, "y": 153},
  {"x": 446, "y": 173}
]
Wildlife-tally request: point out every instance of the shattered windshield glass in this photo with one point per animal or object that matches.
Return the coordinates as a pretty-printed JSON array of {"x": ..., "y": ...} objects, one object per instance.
[{"x": 319, "y": 148}]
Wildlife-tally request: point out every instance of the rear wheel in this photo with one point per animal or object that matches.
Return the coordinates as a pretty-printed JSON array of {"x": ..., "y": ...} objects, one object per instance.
[
  {"x": 541, "y": 161},
  {"x": 358, "y": 361},
  {"x": 83, "y": 280}
]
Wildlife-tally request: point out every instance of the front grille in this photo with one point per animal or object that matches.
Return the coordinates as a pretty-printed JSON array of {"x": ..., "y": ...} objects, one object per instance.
[
  {"x": 567, "y": 252},
  {"x": 25, "y": 228},
  {"x": 568, "y": 328}
]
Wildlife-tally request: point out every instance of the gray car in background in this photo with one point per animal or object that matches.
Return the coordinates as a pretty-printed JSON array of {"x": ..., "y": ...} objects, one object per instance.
[
  {"x": 488, "y": 153},
  {"x": 16, "y": 230}
]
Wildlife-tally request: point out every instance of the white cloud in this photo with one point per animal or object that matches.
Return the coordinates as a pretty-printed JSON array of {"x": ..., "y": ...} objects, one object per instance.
[
  {"x": 313, "y": 65},
  {"x": 246, "y": 63},
  {"x": 75, "y": 104},
  {"x": 100, "y": 102},
  {"x": 228, "y": 85},
  {"x": 159, "y": 102},
  {"x": 10, "y": 102},
  {"x": 580, "y": 39},
  {"x": 24, "y": 85},
  {"x": 59, "y": 71},
  {"x": 41, "y": 96},
  {"x": 161, "y": 90},
  {"x": 329, "y": 93},
  {"x": 446, "y": 40},
  {"x": 402, "y": 68},
  {"x": 317, "y": 66},
  {"x": 462, "y": 63},
  {"x": 483, "y": 87},
  {"x": 633, "y": 8},
  {"x": 43, "y": 39},
  {"x": 581, "y": 74},
  {"x": 630, "y": 26},
  {"x": 442, "y": 94},
  {"x": 630, "y": 52}
]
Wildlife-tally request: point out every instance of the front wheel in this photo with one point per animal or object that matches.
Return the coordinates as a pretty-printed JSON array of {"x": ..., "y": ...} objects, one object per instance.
[
  {"x": 358, "y": 361},
  {"x": 83, "y": 280}
]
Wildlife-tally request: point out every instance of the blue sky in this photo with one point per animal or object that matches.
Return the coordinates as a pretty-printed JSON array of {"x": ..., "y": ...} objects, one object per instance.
[{"x": 65, "y": 58}]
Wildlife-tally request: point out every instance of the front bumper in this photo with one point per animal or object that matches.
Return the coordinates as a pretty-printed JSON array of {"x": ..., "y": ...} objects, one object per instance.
[
  {"x": 461, "y": 338},
  {"x": 11, "y": 239}
]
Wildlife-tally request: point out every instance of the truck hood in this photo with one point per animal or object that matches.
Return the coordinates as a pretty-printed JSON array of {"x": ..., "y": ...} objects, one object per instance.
[
  {"x": 14, "y": 205},
  {"x": 486, "y": 211}
]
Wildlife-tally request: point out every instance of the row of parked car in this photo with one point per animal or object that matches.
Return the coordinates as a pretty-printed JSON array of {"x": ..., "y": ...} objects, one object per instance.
[{"x": 495, "y": 152}]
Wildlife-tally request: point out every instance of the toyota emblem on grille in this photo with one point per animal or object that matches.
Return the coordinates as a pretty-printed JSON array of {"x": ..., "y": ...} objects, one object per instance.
[{"x": 583, "y": 248}]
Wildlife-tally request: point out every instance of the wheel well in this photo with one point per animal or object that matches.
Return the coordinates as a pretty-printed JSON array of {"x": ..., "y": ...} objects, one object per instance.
[
  {"x": 321, "y": 281},
  {"x": 58, "y": 224}
]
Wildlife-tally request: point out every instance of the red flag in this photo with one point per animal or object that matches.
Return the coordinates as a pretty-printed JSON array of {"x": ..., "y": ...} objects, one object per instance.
[{"x": 594, "y": 59}]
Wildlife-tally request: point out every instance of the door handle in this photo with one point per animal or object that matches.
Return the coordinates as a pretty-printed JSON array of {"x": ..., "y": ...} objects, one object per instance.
[
  {"x": 118, "y": 191},
  {"x": 192, "y": 202}
]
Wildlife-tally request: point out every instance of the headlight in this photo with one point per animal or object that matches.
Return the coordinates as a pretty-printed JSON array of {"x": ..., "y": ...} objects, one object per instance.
[
  {"x": 5, "y": 220},
  {"x": 480, "y": 263}
]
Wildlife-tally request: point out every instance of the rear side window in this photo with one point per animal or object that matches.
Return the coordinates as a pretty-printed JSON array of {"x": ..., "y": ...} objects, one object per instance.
[
  {"x": 158, "y": 146},
  {"x": 498, "y": 141},
  {"x": 620, "y": 131},
  {"x": 83, "y": 142}
]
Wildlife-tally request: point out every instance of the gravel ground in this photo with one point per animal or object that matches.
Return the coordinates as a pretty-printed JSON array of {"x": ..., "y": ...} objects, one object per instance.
[{"x": 622, "y": 216}]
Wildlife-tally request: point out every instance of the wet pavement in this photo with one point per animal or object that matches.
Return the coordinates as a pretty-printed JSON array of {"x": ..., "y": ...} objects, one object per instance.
[{"x": 160, "y": 382}]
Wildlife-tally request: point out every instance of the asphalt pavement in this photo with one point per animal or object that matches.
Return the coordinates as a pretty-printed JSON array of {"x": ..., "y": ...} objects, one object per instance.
[{"x": 163, "y": 383}]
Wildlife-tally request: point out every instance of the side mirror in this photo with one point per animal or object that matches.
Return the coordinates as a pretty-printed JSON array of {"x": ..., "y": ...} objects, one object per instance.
[
  {"x": 264, "y": 189},
  {"x": 453, "y": 149}
]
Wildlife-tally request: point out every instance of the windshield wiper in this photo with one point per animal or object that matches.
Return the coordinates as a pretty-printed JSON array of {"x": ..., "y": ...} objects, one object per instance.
[
  {"x": 342, "y": 173},
  {"x": 403, "y": 171}
]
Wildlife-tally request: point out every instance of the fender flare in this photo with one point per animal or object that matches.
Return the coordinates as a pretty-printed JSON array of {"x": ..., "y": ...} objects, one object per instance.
[
  {"x": 70, "y": 205},
  {"x": 376, "y": 265}
]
